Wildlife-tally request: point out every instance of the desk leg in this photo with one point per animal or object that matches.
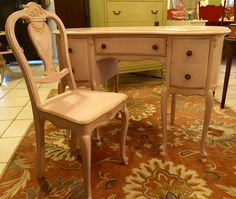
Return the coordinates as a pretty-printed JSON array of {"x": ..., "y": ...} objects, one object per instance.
[
  {"x": 209, "y": 101},
  {"x": 227, "y": 74},
  {"x": 173, "y": 107},
  {"x": 164, "y": 97}
]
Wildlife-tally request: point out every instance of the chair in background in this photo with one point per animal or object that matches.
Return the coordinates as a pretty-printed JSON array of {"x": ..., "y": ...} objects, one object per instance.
[
  {"x": 213, "y": 13},
  {"x": 81, "y": 111}
]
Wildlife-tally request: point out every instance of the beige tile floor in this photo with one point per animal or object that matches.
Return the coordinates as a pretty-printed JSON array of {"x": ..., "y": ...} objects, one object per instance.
[{"x": 16, "y": 114}]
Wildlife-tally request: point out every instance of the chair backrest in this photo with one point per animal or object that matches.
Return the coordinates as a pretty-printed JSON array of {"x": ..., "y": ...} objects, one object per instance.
[
  {"x": 212, "y": 13},
  {"x": 41, "y": 37}
]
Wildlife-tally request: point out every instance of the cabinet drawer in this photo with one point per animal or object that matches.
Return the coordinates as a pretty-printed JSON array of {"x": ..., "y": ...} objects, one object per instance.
[
  {"x": 188, "y": 76},
  {"x": 190, "y": 51},
  {"x": 148, "y": 46},
  {"x": 134, "y": 11}
]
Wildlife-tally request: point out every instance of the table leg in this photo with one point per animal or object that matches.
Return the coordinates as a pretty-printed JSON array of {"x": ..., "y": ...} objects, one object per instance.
[
  {"x": 209, "y": 101},
  {"x": 164, "y": 97},
  {"x": 227, "y": 74}
]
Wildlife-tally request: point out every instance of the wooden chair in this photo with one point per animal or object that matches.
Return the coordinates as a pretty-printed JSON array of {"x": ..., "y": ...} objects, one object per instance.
[
  {"x": 82, "y": 111},
  {"x": 212, "y": 13}
]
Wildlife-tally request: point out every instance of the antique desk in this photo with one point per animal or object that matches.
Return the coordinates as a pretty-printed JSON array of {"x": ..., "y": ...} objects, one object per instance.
[{"x": 191, "y": 55}]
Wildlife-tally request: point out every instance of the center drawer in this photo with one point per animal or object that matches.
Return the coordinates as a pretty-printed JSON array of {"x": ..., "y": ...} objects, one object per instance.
[{"x": 143, "y": 46}]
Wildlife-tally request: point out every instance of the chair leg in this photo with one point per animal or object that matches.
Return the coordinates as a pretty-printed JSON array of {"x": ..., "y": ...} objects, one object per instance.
[
  {"x": 173, "y": 106},
  {"x": 124, "y": 128},
  {"x": 40, "y": 145},
  {"x": 85, "y": 142},
  {"x": 98, "y": 139},
  {"x": 72, "y": 140},
  {"x": 164, "y": 96},
  {"x": 116, "y": 83},
  {"x": 2, "y": 73},
  {"x": 209, "y": 99}
]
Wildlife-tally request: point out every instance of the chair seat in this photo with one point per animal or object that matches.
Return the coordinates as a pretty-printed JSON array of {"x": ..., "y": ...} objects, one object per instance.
[{"x": 82, "y": 106}]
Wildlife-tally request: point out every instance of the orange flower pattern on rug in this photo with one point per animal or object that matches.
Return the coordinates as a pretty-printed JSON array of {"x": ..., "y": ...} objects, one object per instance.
[{"x": 179, "y": 175}]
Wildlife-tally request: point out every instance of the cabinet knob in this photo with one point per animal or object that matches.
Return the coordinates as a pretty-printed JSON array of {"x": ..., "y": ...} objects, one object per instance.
[
  {"x": 189, "y": 53},
  {"x": 116, "y": 12},
  {"x": 155, "y": 47},
  {"x": 70, "y": 50},
  {"x": 103, "y": 46},
  {"x": 187, "y": 76}
]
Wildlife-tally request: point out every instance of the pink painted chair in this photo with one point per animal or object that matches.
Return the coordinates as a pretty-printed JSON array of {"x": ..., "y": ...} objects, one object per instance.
[{"x": 81, "y": 111}]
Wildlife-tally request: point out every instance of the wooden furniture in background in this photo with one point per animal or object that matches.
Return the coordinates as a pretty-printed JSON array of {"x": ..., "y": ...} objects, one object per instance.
[
  {"x": 81, "y": 111},
  {"x": 3, "y": 65},
  {"x": 230, "y": 47},
  {"x": 73, "y": 13},
  {"x": 6, "y": 8},
  {"x": 191, "y": 55},
  {"x": 127, "y": 12},
  {"x": 212, "y": 13}
]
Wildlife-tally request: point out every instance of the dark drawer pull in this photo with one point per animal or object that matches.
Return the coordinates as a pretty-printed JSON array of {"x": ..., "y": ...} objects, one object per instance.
[
  {"x": 116, "y": 12},
  {"x": 189, "y": 53},
  {"x": 70, "y": 50},
  {"x": 103, "y": 46},
  {"x": 155, "y": 47},
  {"x": 187, "y": 76}
]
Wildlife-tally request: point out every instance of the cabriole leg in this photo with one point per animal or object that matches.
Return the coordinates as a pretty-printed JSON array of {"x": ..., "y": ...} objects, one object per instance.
[
  {"x": 209, "y": 100},
  {"x": 124, "y": 128}
]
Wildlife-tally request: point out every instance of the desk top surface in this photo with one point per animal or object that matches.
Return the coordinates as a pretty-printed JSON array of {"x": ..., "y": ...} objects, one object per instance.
[{"x": 156, "y": 30}]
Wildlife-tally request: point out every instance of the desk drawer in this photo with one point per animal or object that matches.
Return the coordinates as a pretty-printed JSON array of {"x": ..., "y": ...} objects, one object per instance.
[
  {"x": 190, "y": 51},
  {"x": 188, "y": 76},
  {"x": 135, "y": 46}
]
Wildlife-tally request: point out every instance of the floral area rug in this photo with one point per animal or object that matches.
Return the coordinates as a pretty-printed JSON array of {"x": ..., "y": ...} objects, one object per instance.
[{"x": 179, "y": 175}]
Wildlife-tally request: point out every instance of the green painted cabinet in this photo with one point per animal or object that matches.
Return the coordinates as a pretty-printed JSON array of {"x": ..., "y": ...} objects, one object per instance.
[{"x": 127, "y": 12}]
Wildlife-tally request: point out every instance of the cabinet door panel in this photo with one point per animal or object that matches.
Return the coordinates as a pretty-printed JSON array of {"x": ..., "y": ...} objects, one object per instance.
[{"x": 134, "y": 11}]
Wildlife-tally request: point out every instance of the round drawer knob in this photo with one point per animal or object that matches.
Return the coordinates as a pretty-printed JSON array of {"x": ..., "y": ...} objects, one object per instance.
[
  {"x": 70, "y": 50},
  {"x": 155, "y": 47},
  {"x": 103, "y": 46},
  {"x": 187, "y": 76},
  {"x": 189, "y": 53}
]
